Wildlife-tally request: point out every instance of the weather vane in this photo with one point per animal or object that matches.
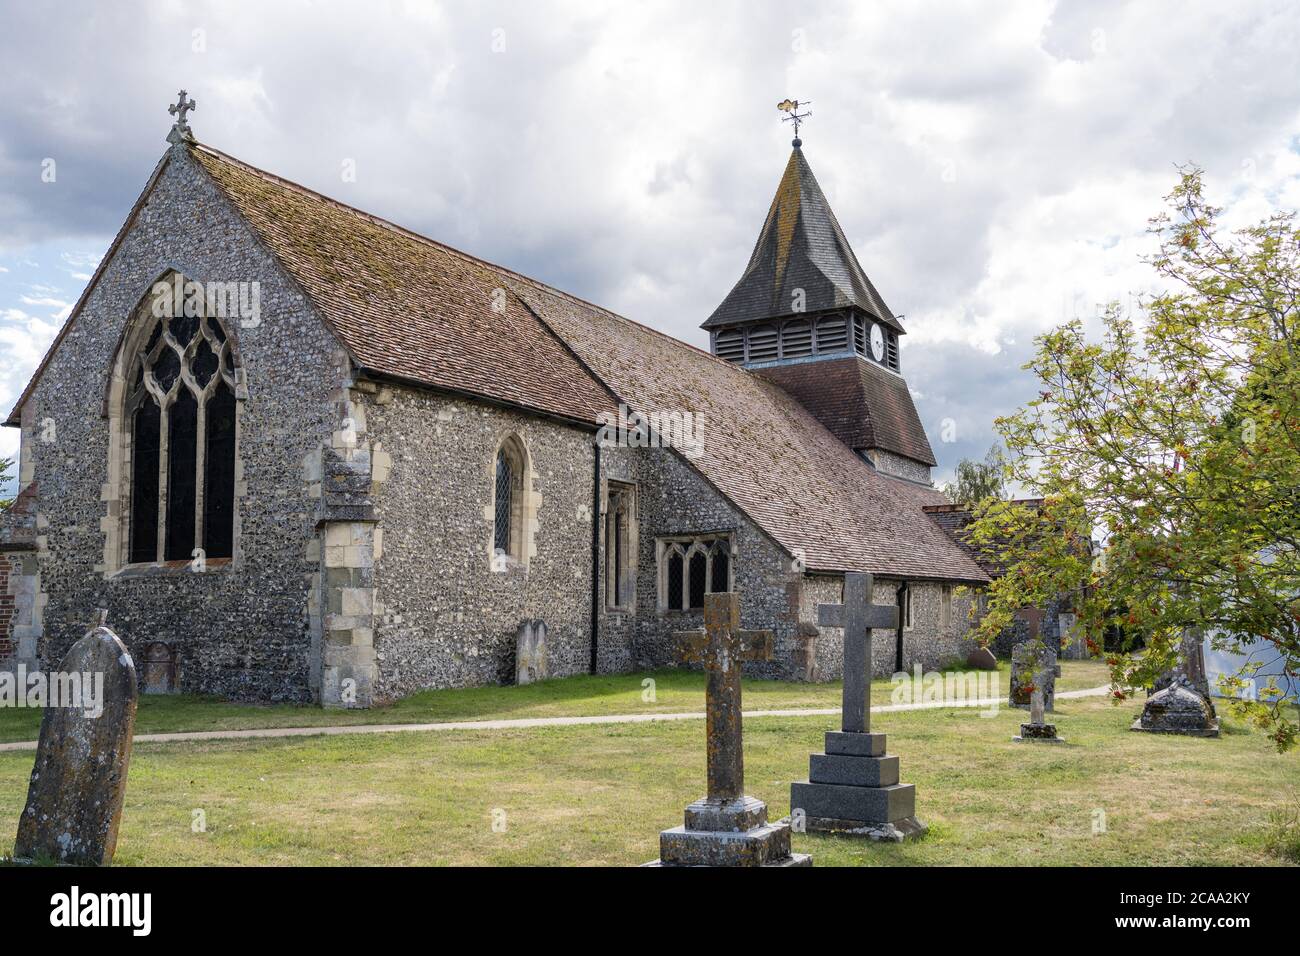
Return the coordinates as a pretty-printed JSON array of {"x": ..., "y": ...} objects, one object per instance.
[
  {"x": 180, "y": 129},
  {"x": 792, "y": 108}
]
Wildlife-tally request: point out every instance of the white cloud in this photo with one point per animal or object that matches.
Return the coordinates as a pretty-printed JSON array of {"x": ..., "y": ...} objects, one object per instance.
[{"x": 994, "y": 165}]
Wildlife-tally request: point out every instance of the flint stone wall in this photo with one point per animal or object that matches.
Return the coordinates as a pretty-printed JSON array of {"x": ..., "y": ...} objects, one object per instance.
[
  {"x": 443, "y": 617},
  {"x": 240, "y": 631}
]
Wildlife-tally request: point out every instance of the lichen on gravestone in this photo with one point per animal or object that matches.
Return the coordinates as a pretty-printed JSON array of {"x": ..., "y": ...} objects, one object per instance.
[{"x": 78, "y": 782}]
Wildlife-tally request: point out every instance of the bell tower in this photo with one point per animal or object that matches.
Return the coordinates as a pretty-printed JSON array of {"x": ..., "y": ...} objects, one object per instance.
[{"x": 805, "y": 316}]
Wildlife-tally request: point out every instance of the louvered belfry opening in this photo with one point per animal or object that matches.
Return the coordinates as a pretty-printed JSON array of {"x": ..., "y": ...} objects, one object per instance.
[
  {"x": 181, "y": 408},
  {"x": 835, "y": 334}
]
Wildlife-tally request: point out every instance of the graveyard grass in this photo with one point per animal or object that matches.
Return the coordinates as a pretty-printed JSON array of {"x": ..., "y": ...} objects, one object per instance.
[
  {"x": 676, "y": 691},
  {"x": 599, "y": 794}
]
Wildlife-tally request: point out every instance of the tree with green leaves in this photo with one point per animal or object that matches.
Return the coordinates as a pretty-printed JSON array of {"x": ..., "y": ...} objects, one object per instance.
[
  {"x": 978, "y": 480},
  {"x": 1176, "y": 437}
]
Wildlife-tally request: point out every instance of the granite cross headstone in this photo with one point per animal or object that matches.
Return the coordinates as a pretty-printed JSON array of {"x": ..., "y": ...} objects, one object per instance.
[
  {"x": 857, "y": 616},
  {"x": 74, "y": 800},
  {"x": 853, "y": 787}
]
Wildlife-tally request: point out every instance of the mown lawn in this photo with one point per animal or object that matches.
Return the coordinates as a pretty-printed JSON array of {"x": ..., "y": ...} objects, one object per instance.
[
  {"x": 598, "y": 795},
  {"x": 675, "y": 691}
]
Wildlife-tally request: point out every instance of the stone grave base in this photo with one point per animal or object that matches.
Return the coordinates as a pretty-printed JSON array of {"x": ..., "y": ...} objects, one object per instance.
[
  {"x": 853, "y": 790},
  {"x": 1211, "y": 731},
  {"x": 1038, "y": 734},
  {"x": 908, "y": 828},
  {"x": 734, "y": 833}
]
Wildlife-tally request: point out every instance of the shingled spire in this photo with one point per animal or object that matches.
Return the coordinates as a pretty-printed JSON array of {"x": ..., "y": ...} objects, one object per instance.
[
  {"x": 801, "y": 247},
  {"x": 805, "y": 316}
]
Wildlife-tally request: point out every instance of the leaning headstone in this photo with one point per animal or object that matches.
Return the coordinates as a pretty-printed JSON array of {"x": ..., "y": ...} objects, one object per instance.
[
  {"x": 982, "y": 659},
  {"x": 530, "y": 652},
  {"x": 852, "y": 789},
  {"x": 1038, "y": 730},
  {"x": 1178, "y": 709},
  {"x": 74, "y": 800},
  {"x": 726, "y": 828},
  {"x": 1033, "y": 664}
]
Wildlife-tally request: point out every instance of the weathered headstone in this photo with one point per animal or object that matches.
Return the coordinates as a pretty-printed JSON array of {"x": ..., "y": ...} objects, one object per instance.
[
  {"x": 982, "y": 659},
  {"x": 852, "y": 789},
  {"x": 1038, "y": 730},
  {"x": 1178, "y": 709},
  {"x": 1190, "y": 664},
  {"x": 1033, "y": 664},
  {"x": 159, "y": 668},
  {"x": 726, "y": 828},
  {"x": 530, "y": 652},
  {"x": 74, "y": 800}
]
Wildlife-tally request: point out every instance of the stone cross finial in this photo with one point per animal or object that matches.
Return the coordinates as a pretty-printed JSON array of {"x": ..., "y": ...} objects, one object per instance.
[
  {"x": 181, "y": 128},
  {"x": 857, "y": 615},
  {"x": 721, "y": 647}
]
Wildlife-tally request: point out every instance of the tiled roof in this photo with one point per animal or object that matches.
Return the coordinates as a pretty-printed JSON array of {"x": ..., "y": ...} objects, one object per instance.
[
  {"x": 411, "y": 308},
  {"x": 764, "y": 451},
  {"x": 801, "y": 246},
  {"x": 862, "y": 404},
  {"x": 405, "y": 306},
  {"x": 956, "y": 520}
]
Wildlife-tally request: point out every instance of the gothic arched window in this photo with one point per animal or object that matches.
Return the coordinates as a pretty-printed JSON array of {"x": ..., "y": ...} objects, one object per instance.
[
  {"x": 509, "y": 475},
  {"x": 180, "y": 411}
]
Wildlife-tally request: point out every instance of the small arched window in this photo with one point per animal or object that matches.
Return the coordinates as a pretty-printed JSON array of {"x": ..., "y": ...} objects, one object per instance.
[
  {"x": 505, "y": 483},
  {"x": 180, "y": 412},
  {"x": 508, "y": 500}
]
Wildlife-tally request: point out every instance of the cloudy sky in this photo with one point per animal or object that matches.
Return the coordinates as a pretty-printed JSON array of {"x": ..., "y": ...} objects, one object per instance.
[{"x": 994, "y": 164}]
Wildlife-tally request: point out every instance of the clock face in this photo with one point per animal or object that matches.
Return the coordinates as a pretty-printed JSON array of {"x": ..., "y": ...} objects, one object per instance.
[{"x": 877, "y": 343}]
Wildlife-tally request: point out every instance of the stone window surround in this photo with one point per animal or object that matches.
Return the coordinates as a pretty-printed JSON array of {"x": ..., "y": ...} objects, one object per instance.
[
  {"x": 525, "y": 502},
  {"x": 626, "y": 492},
  {"x": 693, "y": 542},
  {"x": 116, "y": 492},
  {"x": 905, "y": 612}
]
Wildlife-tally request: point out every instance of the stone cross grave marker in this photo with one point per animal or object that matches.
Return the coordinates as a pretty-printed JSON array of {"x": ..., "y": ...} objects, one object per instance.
[
  {"x": 725, "y": 828},
  {"x": 857, "y": 616},
  {"x": 722, "y": 647},
  {"x": 74, "y": 800},
  {"x": 852, "y": 789},
  {"x": 1038, "y": 730}
]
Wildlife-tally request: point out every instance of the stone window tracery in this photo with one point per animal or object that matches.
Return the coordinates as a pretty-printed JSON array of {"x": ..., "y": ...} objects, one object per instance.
[
  {"x": 690, "y": 568},
  {"x": 180, "y": 411}
]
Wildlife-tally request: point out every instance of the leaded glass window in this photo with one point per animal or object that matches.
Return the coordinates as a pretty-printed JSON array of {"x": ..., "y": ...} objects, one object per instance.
[
  {"x": 504, "y": 494},
  {"x": 690, "y": 568},
  {"x": 181, "y": 408}
]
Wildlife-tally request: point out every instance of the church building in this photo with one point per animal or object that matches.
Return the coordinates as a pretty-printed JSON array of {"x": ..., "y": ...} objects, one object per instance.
[{"x": 300, "y": 453}]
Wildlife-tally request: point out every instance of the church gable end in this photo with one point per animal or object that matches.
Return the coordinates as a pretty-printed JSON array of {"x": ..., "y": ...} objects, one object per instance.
[{"x": 166, "y": 451}]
